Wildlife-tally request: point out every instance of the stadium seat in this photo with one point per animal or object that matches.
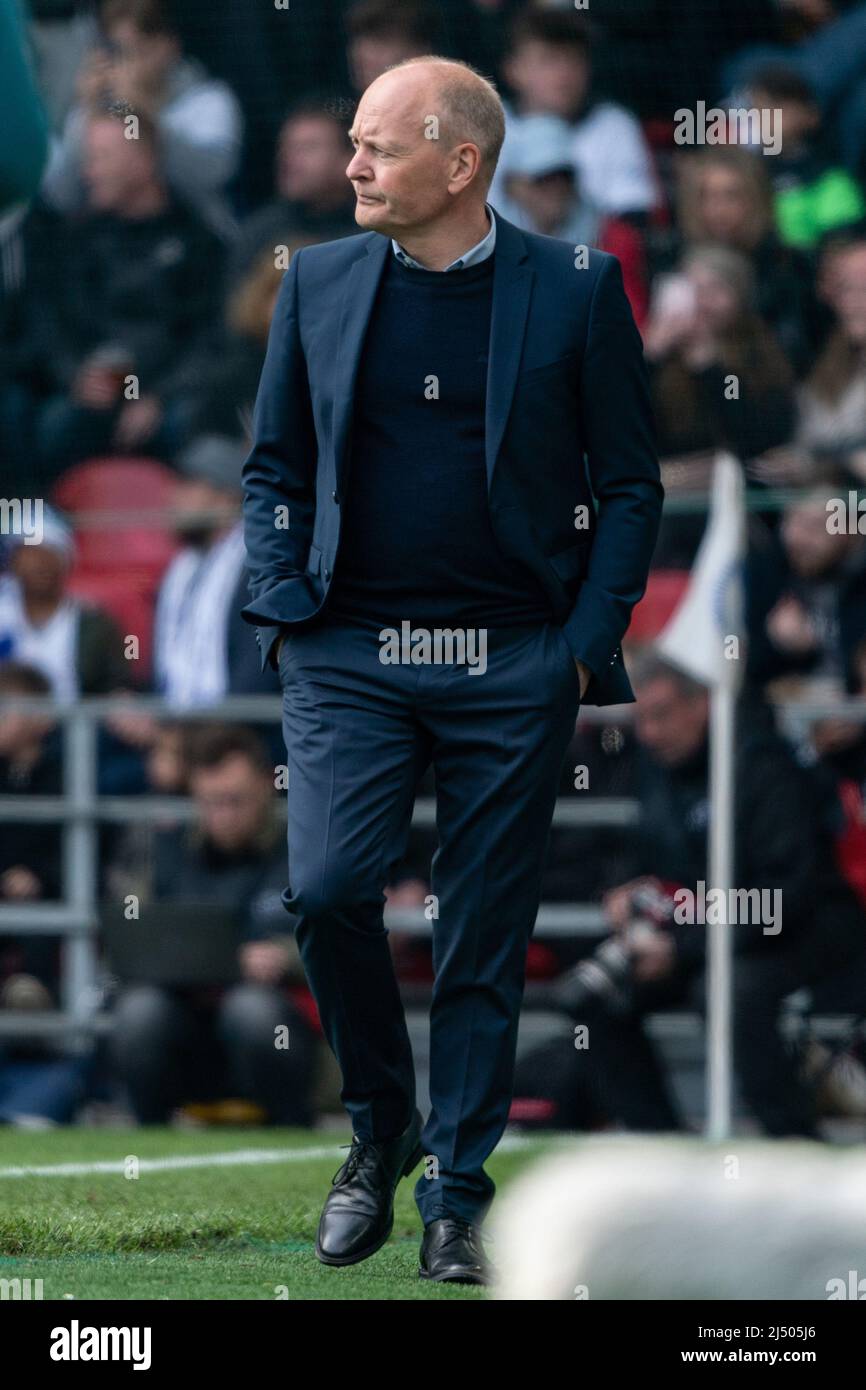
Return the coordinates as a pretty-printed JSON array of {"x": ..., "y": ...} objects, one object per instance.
[
  {"x": 119, "y": 562},
  {"x": 140, "y": 541}
]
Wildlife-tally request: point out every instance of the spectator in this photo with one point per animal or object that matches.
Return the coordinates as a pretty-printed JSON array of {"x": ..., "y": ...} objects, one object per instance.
[
  {"x": 380, "y": 35},
  {"x": 813, "y": 194},
  {"x": 781, "y": 844},
  {"x": 549, "y": 68},
  {"x": 30, "y": 765},
  {"x": 75, "y": 645},
  {"x": 540, "y": 182},
  {"x": 133, "y": 307},
  {"x": 138, "y": 67},
  {"x": 166, "y": 1041},
  {"x": 38, "y": 1086},
  {"x": 725, "y": 196},
  {"x": 202, "y": 649},
  {"x": 314, "y": 199},
  {"x": 833, "y": 399},
  {"x": 806, "y": 601},
  {"x": 830, "y": 58},
  {"x": 719, "y": 376}
]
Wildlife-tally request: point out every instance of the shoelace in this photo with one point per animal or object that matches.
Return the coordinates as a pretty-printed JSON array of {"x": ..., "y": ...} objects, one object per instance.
[
  {"x": 360, "y": 1151},
  {"x": 464, "y": 1229}
]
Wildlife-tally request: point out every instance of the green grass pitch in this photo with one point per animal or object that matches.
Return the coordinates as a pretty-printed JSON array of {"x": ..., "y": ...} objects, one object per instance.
[{"x": 228, "y": 1231}]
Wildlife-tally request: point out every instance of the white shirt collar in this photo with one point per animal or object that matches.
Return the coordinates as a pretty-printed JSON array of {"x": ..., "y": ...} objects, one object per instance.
[{"x": 474, "y": 256}]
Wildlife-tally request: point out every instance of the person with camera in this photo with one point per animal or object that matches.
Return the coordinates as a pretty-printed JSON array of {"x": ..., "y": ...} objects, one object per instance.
[{"x": 655, "y": 956}]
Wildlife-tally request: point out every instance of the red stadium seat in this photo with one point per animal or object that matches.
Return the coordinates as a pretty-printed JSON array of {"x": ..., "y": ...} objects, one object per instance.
[
  {"x": 120, "y": 559},
  {"x": 141, "y": 488},
  {"x": 664, "y": 590}
]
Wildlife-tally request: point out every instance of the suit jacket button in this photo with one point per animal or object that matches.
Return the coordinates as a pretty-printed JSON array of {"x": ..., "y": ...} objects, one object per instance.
[
  {"x": 335, "y": 498},
  {"x": 326, "y": 573}
]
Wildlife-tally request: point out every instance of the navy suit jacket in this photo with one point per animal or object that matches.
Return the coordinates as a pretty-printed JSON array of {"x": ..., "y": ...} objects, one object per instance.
[{"x": 573, "y": 479}]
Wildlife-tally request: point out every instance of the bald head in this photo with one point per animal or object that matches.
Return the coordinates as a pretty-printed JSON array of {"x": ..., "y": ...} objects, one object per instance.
[
  {"x": 427, "y": 134},
  {"x": 467, "y": 105}
]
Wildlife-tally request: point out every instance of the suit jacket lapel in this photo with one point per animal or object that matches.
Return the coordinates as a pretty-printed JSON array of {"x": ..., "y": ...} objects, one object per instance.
[
  {"x": 358, "y": 299},
  {"x": 512, "y": 288}
]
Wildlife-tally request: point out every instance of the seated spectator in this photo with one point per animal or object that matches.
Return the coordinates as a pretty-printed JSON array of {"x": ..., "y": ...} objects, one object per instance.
[
  {"x": 833, "y": 398},
  {"x": 202, "y": 648},
  {"x": 138, "y": 67},
  {"x": 549, "y": 70},
  {"x": 806, "y": 602},
  {"x": 313, "y": 198},
  {"x": 114, "y": 332},
  {"x": 166, "y": 1041},
  {"x": 813, "y": 193},
  {"x": 30, "y": 765},
  {"x": 38, "y": 1084},
  {"x": 74, "y": 644},
  {"x": 830, "y": 56},
  {"x": 719, "y": 377},
  {"x": 725, "y": 196},
  {"x": 542, "y": 187},
  {"x": 781, "y": 844}
]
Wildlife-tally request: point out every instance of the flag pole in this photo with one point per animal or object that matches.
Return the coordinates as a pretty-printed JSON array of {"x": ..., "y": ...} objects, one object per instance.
[
  {"x": 721, "y": 873},
  {"x": 730, "y": 518},
  {"x": 703, "y": 638}
]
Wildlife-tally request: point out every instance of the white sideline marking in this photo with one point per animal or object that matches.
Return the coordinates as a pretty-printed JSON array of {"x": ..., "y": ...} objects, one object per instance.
[{"x": 232, "y": 1158}]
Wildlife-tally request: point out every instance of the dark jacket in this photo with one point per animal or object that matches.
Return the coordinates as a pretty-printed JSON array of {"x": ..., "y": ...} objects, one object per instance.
[
  {"x": 188, "y": 868},
  {"x": 782, "y": 841},
  {"x": 843, "y": 624},
  {"x": 565, "y": 364},
  {"x": 151, "y": 286}
]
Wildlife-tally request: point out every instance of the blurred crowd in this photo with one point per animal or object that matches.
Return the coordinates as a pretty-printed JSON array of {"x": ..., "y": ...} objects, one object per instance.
[{"x": 189, "y": 156}]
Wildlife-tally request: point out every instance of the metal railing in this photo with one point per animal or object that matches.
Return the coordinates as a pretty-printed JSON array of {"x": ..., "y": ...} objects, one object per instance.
[{"x": 80, "y": 811}]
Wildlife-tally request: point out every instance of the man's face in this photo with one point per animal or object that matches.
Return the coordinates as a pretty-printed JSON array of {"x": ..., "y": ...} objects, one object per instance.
[
  {"x": 19, "y": 730},
  {"x": 41, "y": 571},
  {"x": 311, "y": 159},
  {"x": 811, "y": 548},
  {"x": 546, "y": 198},
  {"x": 113, "y": 166},
  {"x": 400, "y": 178},
  {"x": 232, "y": 800},
  {"x": 549, "y": 77},
  {"x": 724, "y": 205},
  {"x": 669, "y": 722}
]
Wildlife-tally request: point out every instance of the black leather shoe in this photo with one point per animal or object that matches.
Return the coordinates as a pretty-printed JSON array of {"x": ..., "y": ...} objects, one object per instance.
[
  {"x": 452, "y": 1253},
  {"x": 359, "y": 1213}
]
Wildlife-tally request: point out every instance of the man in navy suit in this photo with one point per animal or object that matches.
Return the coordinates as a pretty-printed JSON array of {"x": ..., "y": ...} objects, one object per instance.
[{"x": 451, "y": 505}]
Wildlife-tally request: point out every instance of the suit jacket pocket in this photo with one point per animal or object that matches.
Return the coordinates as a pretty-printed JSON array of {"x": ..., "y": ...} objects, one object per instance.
[{"x": 569, "y": 565}]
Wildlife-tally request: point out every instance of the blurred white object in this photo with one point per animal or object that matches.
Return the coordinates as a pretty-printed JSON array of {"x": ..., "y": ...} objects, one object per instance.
[{"x": 634, "y": 1217}]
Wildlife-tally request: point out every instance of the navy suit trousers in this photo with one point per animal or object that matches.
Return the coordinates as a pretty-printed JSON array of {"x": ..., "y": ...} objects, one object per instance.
[{"x": 359, "y": 734}]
